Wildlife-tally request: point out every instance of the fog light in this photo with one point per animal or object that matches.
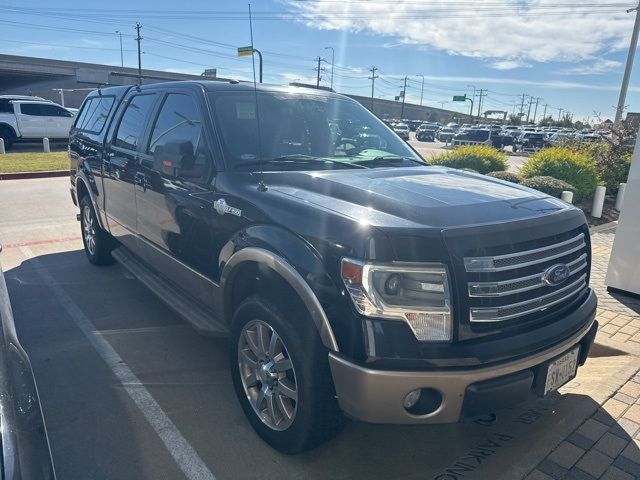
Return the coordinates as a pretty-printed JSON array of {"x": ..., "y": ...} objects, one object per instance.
[{"x": 411, "y": 399}]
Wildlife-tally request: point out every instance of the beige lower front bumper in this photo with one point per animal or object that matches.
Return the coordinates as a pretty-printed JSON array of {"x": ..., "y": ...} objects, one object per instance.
[{"x": 377, "y": 396}]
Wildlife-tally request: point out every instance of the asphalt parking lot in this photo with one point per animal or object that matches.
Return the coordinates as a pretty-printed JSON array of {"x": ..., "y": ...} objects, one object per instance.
[
  {"x": 131, "y": 392},
  {"x": 429, "y": 149}
]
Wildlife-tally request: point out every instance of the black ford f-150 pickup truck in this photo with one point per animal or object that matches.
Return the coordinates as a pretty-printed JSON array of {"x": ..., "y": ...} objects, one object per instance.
[{"x": 349, "y": 277}]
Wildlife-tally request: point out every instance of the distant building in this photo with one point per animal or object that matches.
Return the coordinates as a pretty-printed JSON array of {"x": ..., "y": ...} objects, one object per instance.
[{"x": 633, "y": 119}]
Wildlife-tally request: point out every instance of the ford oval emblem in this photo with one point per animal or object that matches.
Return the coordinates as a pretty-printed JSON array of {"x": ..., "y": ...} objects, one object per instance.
[{"x": 556, "y": 274}]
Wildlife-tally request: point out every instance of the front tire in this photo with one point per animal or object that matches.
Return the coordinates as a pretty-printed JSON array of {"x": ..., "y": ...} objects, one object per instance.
[
  {"x": 97, "y": 243},
  {"x": 8, "y": 136},
  {"x": 282, "y": 378}
]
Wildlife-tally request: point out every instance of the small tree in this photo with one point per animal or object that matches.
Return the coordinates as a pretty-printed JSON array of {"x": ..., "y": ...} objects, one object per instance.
[
  {"x": 546, "y": 121},
  {"x": 514, "y": 119}
]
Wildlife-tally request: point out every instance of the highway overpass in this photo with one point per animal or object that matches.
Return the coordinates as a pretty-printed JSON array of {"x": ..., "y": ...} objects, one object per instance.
[{"x": 45, "y": 77}]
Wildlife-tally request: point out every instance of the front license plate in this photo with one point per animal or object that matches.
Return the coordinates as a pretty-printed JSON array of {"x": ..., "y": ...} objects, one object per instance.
[{"x": 561, "y": 370}]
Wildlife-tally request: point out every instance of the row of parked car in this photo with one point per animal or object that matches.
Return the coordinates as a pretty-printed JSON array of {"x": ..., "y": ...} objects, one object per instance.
[
  {"x": 29, "y": 118},
  {"x": 524, "y": 139}
]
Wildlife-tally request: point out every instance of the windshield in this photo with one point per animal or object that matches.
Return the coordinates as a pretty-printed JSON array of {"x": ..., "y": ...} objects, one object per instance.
[{"x": 301, "y": 125}]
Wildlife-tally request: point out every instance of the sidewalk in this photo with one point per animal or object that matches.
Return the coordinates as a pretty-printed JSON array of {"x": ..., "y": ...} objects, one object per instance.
[
  {"x": 618, "y": 315},
  {"x": 607, "y": 444}
]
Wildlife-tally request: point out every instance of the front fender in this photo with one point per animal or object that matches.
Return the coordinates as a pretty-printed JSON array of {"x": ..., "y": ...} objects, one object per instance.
[{"x": 290, "y": 257}]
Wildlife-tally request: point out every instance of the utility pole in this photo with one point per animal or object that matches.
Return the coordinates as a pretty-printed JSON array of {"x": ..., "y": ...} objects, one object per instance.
[
  {"x": 544, "y": 115},
  {"x": 522, "y": 106},
  {"x": 560, "y": 110},
  {"x": 121, "y": 55},
  {"x": 529, "y": 110},
  {"x": 629, "y": 65},
  {"x": 421, "y": 88},
  {"x": 319, "y": 69},
  {"x": 404, "y": 94},
  {"x": 333, "y": 58},
  {"x": 481, "y": 93},
  {"x": 138, "y": 39},
  {"x": 373, "y": 82},
  {"x": 535, "y": 112}
]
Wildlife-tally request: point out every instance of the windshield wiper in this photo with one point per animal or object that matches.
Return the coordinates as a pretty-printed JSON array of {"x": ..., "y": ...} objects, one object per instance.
[
  {"x": 299, "y": 159},
  {"x": 389, "y": 159}
]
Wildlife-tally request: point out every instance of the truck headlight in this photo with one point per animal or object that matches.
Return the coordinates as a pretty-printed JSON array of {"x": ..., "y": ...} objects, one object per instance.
[{"x": 418, "y": 294}]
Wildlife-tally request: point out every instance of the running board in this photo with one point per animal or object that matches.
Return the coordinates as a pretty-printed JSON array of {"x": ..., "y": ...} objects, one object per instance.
[{"x": 202, "y": 320}]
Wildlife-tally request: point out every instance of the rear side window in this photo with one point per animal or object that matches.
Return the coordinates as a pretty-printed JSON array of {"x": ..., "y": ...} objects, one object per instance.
[
  {"x": 94, "y": 114},
  {"x": 32, "y": 109},
  {"x": 177, "y": 144},
  {"x": 133, "y": 121}
]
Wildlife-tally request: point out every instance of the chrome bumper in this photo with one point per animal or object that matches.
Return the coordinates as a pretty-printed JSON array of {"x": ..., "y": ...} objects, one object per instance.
[{"x": 376, "y": 396}]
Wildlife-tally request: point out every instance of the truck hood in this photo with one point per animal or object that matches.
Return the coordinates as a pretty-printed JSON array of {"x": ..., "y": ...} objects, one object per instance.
[{"x": 414, "y": 197}]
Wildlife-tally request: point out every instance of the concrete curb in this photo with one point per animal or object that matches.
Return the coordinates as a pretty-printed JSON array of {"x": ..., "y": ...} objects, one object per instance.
[
  {"x": 26, "y": 175},
  {"x": 604, "y": 226}
]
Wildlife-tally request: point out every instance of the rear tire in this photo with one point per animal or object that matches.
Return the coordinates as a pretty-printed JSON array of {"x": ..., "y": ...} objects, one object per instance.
[
  {"x": 97, "y": 243},
  {"x": 282, "y": 378}
]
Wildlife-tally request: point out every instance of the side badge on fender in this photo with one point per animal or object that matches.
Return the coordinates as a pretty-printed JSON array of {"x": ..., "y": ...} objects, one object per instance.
[{"x": 221, "y": 207}]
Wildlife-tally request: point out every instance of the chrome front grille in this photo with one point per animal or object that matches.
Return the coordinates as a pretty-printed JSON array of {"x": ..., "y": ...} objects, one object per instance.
[{"x": 512, "y": 285}]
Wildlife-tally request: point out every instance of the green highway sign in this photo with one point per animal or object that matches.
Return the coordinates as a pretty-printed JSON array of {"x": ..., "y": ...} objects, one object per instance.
[
  {"x": 245, "y": 51},
  {"x": 459, "y": 98}
]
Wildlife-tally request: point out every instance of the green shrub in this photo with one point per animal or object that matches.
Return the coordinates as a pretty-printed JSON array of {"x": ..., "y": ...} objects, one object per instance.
[
  {"x": 508, "y": 176},
  {"x": 573, "y": 167},
  {"x": 480, "y": 158},
  {"x": 612, "y": 162},
  {"x": 549, "y": 185}
]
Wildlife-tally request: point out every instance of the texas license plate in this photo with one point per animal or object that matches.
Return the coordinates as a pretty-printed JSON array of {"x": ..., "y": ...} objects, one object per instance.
[{"x": 561, "y": 370}]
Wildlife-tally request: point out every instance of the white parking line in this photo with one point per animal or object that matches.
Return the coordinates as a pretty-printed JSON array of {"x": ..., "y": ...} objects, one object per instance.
[{"x": 179, "y": 448}]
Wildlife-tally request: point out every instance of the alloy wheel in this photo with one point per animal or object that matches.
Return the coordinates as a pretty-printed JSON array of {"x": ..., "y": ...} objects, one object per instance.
[
  {"x": 267, "y": 375},
  {"x": 89, "y": 230}
]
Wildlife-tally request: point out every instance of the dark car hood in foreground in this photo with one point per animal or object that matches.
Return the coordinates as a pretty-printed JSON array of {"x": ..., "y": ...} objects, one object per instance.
[{"x": 415, "y": 197}]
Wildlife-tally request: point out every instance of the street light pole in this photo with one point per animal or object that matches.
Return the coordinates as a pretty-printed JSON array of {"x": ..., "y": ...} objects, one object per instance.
[
  {"x": 474, "y": 98},
  {"x": 629, "y": 65},
  {"x": 121, "y": 55},
  {"x": 255, "y": 50},
  {"x": 421, "y": 88},
  {"x": 333, "y": 57}
]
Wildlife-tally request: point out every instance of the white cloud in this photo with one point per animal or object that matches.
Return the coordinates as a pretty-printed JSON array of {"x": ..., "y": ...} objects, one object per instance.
[
  {"x": 599, "y": 66},
  {"x": 520, "y": 31},
  {"x": 509, "y": 64}
]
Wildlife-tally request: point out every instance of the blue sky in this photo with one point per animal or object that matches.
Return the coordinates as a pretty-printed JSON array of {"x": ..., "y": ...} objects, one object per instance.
[{"x": 569, "y": 55}]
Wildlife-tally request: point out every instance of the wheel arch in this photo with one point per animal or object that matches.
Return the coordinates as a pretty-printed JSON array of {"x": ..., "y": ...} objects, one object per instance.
[
  {"x": 82, "y": 189},
  {"x": 242, "y": 264},
  {"x": 9, "y": 127}
]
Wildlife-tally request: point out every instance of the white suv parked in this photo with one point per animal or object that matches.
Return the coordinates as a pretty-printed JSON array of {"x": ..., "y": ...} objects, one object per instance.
[{"x": 25, "y": 119}]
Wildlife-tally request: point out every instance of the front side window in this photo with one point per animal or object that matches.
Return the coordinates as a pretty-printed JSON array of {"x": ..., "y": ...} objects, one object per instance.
[
  {"x": 6, "y": 106},
  {"x": 54, "y": 111},
  {"x": 319, "y": 130},
  {"x": 133, "y": 121},
  {"x": 177, "y": 144}
]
